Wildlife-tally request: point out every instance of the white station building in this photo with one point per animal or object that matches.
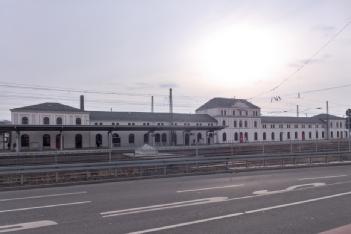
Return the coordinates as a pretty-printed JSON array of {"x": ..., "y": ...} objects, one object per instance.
[{"x": 240, "y": 122}]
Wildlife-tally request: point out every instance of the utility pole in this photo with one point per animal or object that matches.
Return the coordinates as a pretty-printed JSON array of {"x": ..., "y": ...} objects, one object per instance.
[
  {"x": 327, "y": 107},
  {"x": 152, "y": 104},
  {"x": 171, "y": 115}
]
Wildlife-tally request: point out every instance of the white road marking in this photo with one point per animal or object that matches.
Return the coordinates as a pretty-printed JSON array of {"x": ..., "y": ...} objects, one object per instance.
[
  {"x": 204, "y": 201},
  {"x": 42, "y": 196},
  {"x": 163, "y": 206},
  {"x": 24, "y": 226},
  {"x": 47, "y": 206},
  {"x": 210, "y": 188},
  {"x": 290, "y": 188},
  {"x": 186, "y": 223},
  {"x": 239, "y": 214},
  {"x": 322, "y": 177}
]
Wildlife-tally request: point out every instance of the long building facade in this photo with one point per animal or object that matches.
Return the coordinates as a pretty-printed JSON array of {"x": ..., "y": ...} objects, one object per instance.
[
  {"x": 240, "y": 121},
  {"x": 243, "y": 122}
]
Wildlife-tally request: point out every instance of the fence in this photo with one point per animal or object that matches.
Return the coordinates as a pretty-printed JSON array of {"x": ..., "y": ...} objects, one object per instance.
[{"x": 135, "y": 169}]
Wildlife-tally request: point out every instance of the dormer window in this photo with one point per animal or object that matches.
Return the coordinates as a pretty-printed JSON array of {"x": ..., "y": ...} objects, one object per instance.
[
  {"x": 46, "y": 121},
  {"x": 25, "y": 120},
  {"x": 59, "y": 121},
  {"x": 78, "y": 121}
]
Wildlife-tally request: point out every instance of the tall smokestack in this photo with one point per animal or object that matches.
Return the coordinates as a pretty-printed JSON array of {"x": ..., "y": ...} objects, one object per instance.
[
  {"x": 152, "y": 104},
  {"x": 82, "y": 102},
  {"x": 170, "y": 101}
]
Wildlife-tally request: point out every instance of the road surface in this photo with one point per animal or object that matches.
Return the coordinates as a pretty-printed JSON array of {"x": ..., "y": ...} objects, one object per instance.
[{"x": 306, "y": 200}]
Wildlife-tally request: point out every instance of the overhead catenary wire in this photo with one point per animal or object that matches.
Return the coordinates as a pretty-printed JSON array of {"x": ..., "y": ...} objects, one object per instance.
[{"x": 306, "y": 62}]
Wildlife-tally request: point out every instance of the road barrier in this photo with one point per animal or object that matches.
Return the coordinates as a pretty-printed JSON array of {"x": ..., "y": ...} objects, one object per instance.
[
  {"x": 107, "y": 155},
  {"x": 143, "y": 168}
]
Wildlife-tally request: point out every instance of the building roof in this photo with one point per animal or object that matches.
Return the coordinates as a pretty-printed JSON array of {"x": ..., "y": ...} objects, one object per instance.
[
  {"x": 4, "y": 122},
  {"x": 48, "y": 106},
  {"x": 148, "y": 116},
  {"x": 325, "y": 116},
  {"x": 219, "y": 102},
  {"x": 317, "y": 119}
]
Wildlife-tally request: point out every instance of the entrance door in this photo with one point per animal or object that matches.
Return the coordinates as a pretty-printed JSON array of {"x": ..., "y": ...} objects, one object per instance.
[
  {"x": 79, "y": 141},
  {"x": 187, "y": 139},
  {"x": 58, "y": 141}
]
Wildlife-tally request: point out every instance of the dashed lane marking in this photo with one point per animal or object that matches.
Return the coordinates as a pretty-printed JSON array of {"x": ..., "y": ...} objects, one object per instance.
[
  {"x": 24, "y": 226},
  {"x": 323, "y": 177},
  {"x": 210, "y": 188},
  {"x": 47, "y": 206},
  {"x": 42, "y": 196}
]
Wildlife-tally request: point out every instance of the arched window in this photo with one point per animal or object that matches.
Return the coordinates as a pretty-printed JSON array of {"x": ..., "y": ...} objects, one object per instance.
[
  {"x": 78, "y": 121},
  {"x": 98, "y": 140},
  {"x": 131, "y": 138},
  {"x": 256, "y": 136},
  {"x": 116, "y": 140},
  {"x": 272, "y": 136},
  {"x": 264, "y": 136},
  {"x": 240, "y": 124},
  {"x": 59, "y": 121},
  {"x": 255, "y": 124},
  {"x": 25, "y": 120},
  {"x": 337, "y": 134},
  {"x": 310, "y": 135},
  {"x": 323, "y": 134},
  {"x": 46, "y": 121},
  {"x": 24, "y": 140},
  {"x": 46, "y": 140},
  {"x": 78, "y": 141},
  {"x": 157, "y": 138},
  {"x": 224, "y": 137},
  {"x": 245, "y": 124},
  {"x": 303, "y": 136},
  {"x": 235, "y": 124},
  {"x": 296, "y": 135},
  {"x": 146, "y": 138},
  {"x": 164, "y": 138},
  {"x": 288, "y": 135},
  {"x": 246, "y": 136},
  {"x": 223, "y": 123},
  {"x": 236, "y": 137},
  {"x": 317, "y": 136}
]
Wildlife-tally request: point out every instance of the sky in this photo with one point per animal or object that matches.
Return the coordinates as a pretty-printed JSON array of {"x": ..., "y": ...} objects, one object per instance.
[{"x": 120, "y": 53}]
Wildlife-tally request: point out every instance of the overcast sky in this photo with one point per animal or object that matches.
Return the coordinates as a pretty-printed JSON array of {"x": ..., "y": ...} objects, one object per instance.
[{"x": 201, "y": 49}]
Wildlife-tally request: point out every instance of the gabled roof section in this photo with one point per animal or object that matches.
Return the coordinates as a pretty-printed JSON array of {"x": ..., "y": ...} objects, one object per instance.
[
  {"x": 219, "y": 102},
  {"x": 148, "y": 117},
  {"x": 48, "y": 106},
  {"x": 325, "y": 116}
]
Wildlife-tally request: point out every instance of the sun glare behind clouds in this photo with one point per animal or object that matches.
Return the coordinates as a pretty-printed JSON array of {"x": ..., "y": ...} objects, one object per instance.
[{"x": 240, "y": 55}]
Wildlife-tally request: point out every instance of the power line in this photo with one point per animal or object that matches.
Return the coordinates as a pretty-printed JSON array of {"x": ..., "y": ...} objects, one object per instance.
[
  {"x": 306, "y": 62},
  {"x": 85, "y": 91}
]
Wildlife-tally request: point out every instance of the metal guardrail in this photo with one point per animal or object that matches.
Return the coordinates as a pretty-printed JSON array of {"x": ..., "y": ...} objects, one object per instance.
[{"x": 165, "y": 162}]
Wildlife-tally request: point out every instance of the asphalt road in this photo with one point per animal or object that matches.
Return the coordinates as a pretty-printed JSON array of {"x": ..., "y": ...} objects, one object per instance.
[{"x": 307, "y": 200}]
